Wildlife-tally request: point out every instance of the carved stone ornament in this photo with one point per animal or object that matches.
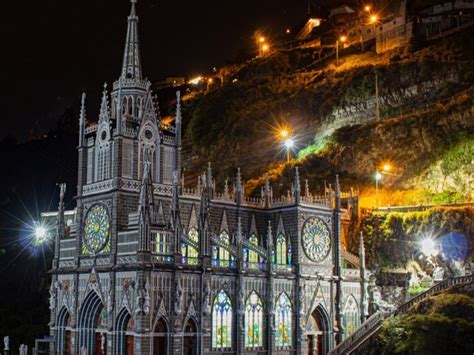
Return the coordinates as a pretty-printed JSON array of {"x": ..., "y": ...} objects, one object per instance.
[
  {"x": 178, "y": 300},
  {"x": 206, "y": 298}
]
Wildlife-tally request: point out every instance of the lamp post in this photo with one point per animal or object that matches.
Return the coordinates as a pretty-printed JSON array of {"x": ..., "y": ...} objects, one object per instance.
[
  {"x": 341, "y": 39},
  {"x": 261, "y": 42},
  {"x": 373, "y": 20},
  {"x": 289, "y": 143}
]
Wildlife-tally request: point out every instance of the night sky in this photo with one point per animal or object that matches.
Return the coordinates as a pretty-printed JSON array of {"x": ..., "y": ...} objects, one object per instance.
[{"x": 52, "y": 50}]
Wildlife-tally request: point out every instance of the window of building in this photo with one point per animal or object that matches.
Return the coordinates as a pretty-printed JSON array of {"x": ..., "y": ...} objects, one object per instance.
[
  {"x": 162, "y": 243},
  {"x": 351, "y": 316},
  {"x": 283, "y": 322},
  {"x": 253, "y": 321},
  {"x": 222, "y": 322},
  {"x": 127, "y": 159},
  {"x": 220, "y": 253},
  {"x": 189, "y": 252},
  {"x": 251, "y": 258},
  {"x": 283, "y": 254}
]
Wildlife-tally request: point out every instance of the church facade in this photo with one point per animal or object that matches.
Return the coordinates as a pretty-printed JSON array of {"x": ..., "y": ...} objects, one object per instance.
[{"x": 145, "y": 266}]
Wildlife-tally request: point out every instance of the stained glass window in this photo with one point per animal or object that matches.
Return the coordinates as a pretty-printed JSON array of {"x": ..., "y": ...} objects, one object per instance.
[
  {"x": 316, "y": 239},
  {"x": 283, "y": 322},
  {"x": 162, "y": 246},
  {"x": 220, "y": 253},
  {"x": 351, "y": 316},
  {"x": 96, "y": 231},
  {"x": 251, "y": 257},
  {"x": 253, "y": 321},
  {"x": 189, "y": 252},
  {"x": 281, "y": 252},
  {"x": 222, "y": 322}
]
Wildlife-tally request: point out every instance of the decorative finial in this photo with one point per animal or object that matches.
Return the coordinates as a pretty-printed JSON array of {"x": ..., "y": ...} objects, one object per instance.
[{"x": 104, "y": 106}]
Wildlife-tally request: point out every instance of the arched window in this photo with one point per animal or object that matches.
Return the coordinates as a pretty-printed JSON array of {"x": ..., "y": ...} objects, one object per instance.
[
  {"x": 220, "y": 253},
  {"x": 281, "y": 250},
  {"x": 283, "y": 322},
  {"x": 251, "y": 258},
  {"x": 222, "y": 322},
  {"x": 189, "y": 251},
  {"x": 253, "y": 321},
  {"x": 351, "y": 316}
]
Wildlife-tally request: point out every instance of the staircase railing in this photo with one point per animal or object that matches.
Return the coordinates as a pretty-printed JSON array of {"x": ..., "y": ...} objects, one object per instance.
[{"x": 373, "y": 324}]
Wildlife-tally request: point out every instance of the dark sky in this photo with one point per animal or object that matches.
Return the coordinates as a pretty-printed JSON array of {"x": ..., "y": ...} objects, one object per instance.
[{"x": 52, "y": 50}]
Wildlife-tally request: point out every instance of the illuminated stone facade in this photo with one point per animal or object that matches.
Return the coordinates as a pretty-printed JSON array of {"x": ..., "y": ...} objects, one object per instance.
[{"x": 146, "y": 266}]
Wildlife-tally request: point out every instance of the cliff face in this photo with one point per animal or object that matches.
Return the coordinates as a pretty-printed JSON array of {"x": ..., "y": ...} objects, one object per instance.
[{"x": 426, "y": 111}]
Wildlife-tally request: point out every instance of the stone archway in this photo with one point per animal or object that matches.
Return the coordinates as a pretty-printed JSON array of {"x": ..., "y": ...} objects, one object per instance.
[
  {"x": 88, "y": 318},
  {"x": 190, "y": 337},
  {"x": 160, "y": 338},
  {"x": 63, "y": 333},
  {"x": 319, "y": 336},
  {"x": 125, "y": 328}
]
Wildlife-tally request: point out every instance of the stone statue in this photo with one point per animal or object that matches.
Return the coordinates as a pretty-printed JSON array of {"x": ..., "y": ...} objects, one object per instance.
[
  {"x": 206, "y": 297},
  {"x": 23, "y": 349},
  {"x": 102, "y": 343},
  {"x": 6, "y": 341},
  {"x": 146, "y": 301},
  {"x": 110, "y": 305},
  {"x": 52, "y": 296},
  {"x": 438, "y": 274},
  {"x": 302, "y": 300},
  {"x": 178, "y": 300}
]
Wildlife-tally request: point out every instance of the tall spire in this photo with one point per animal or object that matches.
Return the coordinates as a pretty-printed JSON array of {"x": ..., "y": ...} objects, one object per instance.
[{"x": 131, "y": 67}]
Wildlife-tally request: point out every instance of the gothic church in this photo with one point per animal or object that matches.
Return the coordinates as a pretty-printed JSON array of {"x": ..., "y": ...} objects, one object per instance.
[{"x": 144, "y": 266}]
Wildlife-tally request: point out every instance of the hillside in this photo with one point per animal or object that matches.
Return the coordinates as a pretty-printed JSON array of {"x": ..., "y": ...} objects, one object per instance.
[{"x": 426, "y": 130}]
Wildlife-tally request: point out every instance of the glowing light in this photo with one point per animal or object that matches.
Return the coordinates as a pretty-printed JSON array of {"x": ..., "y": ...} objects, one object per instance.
[
  {"x": 387, "y": 167},
  {"x": 284, "y": 133},
  {"x": 289, "y": 143},
  {"x": 40, "y": 233},
  {"x": 196, "y": 80},
  {"x": 428, "y": 247},
  {"x": 265, "y": 47},
  {"x": 374, "y": 18},
  {"x": 210, "y": 80},
  {"x": 378, "y": 176},
  {"x": 342, "y": 39},
  {"x": 261, "y": 39},
  {"x": 288, "y": 30},
  {"x": 367, "y": 8}
]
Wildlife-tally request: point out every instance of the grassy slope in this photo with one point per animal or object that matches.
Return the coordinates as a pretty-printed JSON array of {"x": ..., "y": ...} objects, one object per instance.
[{"x": 234, "y": 125}]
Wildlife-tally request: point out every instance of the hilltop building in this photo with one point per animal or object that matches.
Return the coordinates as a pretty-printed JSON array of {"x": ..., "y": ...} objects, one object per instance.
[{"x": 144, "y": 266}]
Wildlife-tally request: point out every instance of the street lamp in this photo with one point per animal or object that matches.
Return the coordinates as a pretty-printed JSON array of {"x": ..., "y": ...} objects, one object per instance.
[
  {"x": 261, "y": 43},
  {"x": 428, "y": 247},
  {"x": 289, "y": 144},
  {"x": 367, "y": 8},
  {"x": 40, "y": 233},
  {"x": 284, "y": 133},
  {"x": 387, "y": 167},
  {"x": 341, "y": 39},
  {"x": 265, "y": 48}
]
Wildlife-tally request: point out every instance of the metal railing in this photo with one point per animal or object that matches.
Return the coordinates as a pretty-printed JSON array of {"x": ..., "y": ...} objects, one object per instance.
[{"x": 372, "y": 325}]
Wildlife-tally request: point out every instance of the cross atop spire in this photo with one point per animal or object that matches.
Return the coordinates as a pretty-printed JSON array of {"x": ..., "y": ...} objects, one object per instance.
[{"x": 131, "y": 67}]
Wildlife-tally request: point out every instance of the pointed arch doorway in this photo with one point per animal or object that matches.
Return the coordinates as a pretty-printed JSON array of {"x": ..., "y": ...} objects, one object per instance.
[
  {"x": 125, "y": 333},
  {"x": 64, "y": 332},
  {"x": 318, "y": 337},
  {"x": 160, "y": 338},
  {"x": 190, "y": 338}
]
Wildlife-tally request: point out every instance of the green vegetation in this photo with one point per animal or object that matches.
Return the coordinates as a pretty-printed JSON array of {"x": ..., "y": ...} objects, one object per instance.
[
  {"x": 416, "y": 290},
  {"x": 442, "y": 325},
  {"x": 392, "y": 238},
  {"x": 451, "y": 178}
]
